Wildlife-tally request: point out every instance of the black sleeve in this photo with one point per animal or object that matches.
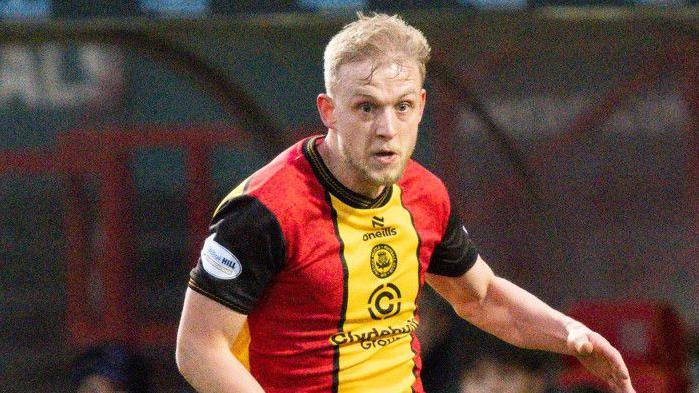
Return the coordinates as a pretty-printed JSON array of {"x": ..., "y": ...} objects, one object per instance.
[
  {"x": 243, "y": 253},
  {"x": 455, "y": 254}
]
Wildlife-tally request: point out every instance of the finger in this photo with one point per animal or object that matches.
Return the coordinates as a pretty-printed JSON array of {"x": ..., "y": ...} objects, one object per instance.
[
  {"x": 622, "y": 386},
  {"x": 613, "y": 357}
]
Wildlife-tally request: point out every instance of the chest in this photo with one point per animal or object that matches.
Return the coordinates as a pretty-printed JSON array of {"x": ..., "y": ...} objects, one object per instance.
[{"x": 368, "y": 261}]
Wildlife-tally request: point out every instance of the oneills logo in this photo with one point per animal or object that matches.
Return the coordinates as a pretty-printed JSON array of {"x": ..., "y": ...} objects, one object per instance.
[
  {"x": 379, "y": 229},
  {"x": 375, "y": 337}
]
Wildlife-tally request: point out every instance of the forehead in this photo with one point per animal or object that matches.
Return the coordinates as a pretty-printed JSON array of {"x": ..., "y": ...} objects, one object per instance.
[{"x": 369, "y": 77}]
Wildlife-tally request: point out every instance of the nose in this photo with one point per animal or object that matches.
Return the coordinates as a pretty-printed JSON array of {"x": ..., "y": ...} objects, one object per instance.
[{"x": 387, "y": 124}]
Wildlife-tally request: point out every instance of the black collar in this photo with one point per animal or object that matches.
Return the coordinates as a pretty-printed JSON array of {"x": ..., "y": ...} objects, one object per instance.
[{"x": 331, "y": 184}]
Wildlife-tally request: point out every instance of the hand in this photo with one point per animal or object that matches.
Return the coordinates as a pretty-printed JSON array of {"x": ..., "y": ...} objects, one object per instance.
[{"x": 599, "y": 357}]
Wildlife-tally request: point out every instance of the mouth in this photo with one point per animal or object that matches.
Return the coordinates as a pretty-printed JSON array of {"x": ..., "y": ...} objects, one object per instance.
[{"x": 385, "y": 156}]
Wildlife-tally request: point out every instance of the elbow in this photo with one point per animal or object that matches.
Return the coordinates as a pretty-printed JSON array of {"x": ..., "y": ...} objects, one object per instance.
[
  {"x": 183, "y": 358},
  {"x": 180, "y": 359}
]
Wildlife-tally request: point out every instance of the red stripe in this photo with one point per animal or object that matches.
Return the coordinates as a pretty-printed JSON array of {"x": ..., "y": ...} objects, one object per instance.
[{"x": 285, "y": 355}]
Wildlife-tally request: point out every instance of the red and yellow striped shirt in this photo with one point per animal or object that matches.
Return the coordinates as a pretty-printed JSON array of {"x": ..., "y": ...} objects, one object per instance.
[{"x": 328, "y": 278}]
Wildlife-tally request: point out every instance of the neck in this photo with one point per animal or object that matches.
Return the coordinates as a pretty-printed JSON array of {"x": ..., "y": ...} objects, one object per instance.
[{"x": 344, "y": 172}]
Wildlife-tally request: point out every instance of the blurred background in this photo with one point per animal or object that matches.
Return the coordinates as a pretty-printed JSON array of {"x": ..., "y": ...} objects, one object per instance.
[{"x": 567, "y": 130}]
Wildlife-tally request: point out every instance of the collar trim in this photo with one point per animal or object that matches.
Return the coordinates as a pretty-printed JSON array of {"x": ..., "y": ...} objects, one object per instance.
[{"x": 326, "y": 178}]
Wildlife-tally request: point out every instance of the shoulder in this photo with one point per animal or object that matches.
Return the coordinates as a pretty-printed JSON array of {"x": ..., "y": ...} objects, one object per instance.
[
  {"x": 286, "y": 183},
  {"x": 425, "y": 196},
  {"x": 418, "y": 182},
  {"x": 286, "y": 174}
]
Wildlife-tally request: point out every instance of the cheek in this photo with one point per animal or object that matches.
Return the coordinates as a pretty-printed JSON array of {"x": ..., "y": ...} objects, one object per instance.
[{"x": 411, "y": 130}]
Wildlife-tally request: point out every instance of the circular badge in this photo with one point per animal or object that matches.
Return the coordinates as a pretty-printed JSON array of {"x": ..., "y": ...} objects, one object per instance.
[{"x": 383, "y": 260}]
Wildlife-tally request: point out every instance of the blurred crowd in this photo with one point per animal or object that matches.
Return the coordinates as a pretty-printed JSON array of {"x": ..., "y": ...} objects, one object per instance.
[{"x": 114, "y": 368}]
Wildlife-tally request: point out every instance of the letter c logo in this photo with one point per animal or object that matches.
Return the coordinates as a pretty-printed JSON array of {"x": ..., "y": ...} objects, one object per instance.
[{"x": 384, "y": 302}]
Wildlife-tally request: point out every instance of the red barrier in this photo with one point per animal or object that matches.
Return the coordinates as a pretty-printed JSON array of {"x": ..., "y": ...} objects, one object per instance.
[
  {"x": 100, "y": 306},
  {"x": 643, "y": 332},
  {"x": 650, "y": 336},
  {"x": 646, "y": 379}
]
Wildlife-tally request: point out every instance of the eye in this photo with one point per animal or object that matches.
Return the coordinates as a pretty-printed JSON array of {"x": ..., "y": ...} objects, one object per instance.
[
  {"x": 365, "y": 107},
  {"x": 404, "y": 106}
]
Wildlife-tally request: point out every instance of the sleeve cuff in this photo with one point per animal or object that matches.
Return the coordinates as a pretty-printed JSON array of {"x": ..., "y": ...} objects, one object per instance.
[{"x": 233, "y": 306}]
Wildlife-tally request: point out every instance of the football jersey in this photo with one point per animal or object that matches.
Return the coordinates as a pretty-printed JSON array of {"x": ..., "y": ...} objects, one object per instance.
[{"x": 328, "y": 278}]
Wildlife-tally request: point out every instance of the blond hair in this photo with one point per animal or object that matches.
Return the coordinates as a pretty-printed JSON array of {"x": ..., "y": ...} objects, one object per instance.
[{"x": 378, "y": 37}]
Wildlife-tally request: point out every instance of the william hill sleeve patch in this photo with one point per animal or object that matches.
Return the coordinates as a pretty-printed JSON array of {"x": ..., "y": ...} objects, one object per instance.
[{"x": 218, "y": 261}]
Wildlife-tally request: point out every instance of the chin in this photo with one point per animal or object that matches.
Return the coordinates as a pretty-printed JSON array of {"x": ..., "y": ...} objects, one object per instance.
[{"x": 386, "y": 178}]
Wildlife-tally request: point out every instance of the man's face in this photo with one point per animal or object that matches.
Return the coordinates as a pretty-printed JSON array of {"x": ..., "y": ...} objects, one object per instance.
[{"x": 376, "y": 119}]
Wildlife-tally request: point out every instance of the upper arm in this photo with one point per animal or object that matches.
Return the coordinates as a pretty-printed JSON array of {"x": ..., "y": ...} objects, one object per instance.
[
  {"x": 206, "y": 325},
  {"x": 455, "y": 253},
  {"x": 467, "y": 290},
  {"x": 238, "y": 260},
  {"x": 456, "y": 271}
]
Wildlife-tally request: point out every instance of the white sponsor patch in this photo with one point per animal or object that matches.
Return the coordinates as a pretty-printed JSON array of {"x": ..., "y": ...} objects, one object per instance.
[{"x": 218, "y": 261}]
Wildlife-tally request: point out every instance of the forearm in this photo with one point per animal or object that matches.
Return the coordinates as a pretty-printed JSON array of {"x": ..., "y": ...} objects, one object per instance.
[
  {"x": 520, "y": 318},
  {"x": 214, "y": 370}
]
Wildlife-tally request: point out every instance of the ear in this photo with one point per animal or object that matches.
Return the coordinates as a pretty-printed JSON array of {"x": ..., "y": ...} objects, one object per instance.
[
  {"x": 326, "y": 109},
  {"x": 423, "y": 99}
]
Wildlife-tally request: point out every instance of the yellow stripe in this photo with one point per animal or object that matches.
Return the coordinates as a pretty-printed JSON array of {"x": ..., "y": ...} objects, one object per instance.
[
  {"x": 241, "y": 346},
  {"x": 382, "y": 285},
  {"x": 237, "y": 191}
]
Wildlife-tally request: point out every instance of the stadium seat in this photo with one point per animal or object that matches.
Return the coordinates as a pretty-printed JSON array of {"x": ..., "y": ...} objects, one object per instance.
[
  {"x": 646, "y": 379},
  {"x": 644, "y": 332},
  {"x": 649, "y": 335}
]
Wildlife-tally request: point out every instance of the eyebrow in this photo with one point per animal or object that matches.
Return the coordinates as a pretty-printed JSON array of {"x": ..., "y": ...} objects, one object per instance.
[{"x": 362, "y": 93}]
